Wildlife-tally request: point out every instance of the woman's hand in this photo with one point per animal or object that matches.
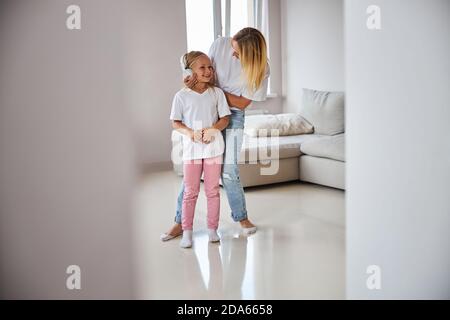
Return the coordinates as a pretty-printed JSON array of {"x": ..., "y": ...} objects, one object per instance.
[
  {"x": 209, "y": 134},
  {"x": 190, "y": 81}
]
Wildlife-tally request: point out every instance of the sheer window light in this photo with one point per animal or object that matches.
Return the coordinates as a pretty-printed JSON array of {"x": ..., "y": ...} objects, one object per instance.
[{"x": 199, "y": 24}]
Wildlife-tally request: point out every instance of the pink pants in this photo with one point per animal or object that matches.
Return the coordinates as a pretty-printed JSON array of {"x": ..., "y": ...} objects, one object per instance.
[{"x": 192, "y": 170}]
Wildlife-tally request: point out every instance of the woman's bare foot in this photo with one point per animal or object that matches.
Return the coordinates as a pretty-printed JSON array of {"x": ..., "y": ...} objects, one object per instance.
[
  {"x": 174, "y": 232},
  {"x": 247, "y": 226},
  {"x": 246, "y": 223}
]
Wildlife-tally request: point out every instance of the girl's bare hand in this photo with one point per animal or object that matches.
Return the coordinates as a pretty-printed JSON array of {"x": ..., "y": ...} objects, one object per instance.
[
  {"x": 190, "y": 133},
  {"x": 209, "y": 134},
  {"x": 197, "y": 136}
]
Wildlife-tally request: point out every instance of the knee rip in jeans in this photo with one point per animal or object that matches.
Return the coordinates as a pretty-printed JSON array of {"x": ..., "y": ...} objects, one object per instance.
[{"x": 230, "y": 176}]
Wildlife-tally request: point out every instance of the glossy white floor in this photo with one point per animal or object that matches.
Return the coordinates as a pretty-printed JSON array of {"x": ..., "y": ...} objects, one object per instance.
[{"x": 297, "y": 253}]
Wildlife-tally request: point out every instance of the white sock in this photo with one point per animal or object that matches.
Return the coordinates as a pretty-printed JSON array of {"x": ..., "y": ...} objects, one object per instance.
[
  {"x": 213, "y": 236},
  {"x": 186, "y": 241}
]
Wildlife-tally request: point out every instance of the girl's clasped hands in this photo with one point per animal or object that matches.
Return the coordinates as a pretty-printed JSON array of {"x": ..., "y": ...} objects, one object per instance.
[{"x": 205, "y": 135}]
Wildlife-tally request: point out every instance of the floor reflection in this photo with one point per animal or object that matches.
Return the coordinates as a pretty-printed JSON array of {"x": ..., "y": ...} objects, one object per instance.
[
  {"x": 297, "y": 253},
  {"x": 234, "y": 252},
  {"x": 221, "y": 270},
  {"x": 232, "y": 269}
]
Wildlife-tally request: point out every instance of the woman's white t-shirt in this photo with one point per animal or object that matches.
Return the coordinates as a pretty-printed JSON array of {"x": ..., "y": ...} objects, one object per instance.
[
  {"x": 229, "y": 74},
  {"x": 198, "y": 111}
]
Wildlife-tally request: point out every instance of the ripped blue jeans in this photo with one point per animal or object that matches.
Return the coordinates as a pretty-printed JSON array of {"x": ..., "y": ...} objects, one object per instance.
[{"x": 231, "y": 182}]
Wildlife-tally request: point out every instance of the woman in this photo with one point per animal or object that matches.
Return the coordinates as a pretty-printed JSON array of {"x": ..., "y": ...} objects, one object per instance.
[{"x": 242, "y": 72}]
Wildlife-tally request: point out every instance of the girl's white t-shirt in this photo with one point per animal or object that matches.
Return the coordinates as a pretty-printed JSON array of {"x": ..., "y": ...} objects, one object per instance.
[
  {"x": 198, "y": 111},
  {"x": 229, "y": 73}
]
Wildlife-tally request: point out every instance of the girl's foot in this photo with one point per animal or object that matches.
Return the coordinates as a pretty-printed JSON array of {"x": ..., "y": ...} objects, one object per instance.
[
  {"x": 247, "y": 227},
  {"x": 174, "y": 232},
  {"x": 213, "y": 236},
  {"x": 186, "y": 241}
]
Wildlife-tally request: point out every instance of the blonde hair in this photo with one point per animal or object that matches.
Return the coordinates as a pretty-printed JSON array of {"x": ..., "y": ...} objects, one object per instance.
[
  {"x": 253, "y": 55},
  {"x": 189, "y": 59}
]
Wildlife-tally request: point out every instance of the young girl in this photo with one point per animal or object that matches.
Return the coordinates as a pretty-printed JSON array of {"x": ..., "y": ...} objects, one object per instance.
[{"x": 200, "y": 113}]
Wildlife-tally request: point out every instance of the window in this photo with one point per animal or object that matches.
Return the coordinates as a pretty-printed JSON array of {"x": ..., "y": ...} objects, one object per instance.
[
  {"x": 199, "y": 24},
  {"x": 239, "y": 16},
  {"x": 208, "y": 19}
]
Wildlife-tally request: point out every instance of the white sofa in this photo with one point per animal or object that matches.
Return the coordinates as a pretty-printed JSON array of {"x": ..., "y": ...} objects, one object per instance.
[
  {"x": 317, "y": 158},
  {"x": 309, "y": 157},
  {"x": 312, "y": 158}
]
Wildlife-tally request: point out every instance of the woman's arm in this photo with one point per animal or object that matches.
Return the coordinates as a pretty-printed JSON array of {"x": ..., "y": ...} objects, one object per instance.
[
  {"x": 183, "y": 129},
  {"x": 237, "y": 101},
  {"x": 222, "y": 123}
]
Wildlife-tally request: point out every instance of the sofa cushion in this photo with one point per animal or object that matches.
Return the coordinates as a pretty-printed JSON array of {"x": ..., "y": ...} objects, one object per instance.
[
  {"x": 269, "y": 148},
  {"x": 331, "y": 147},
  {"x": 285, "y": 124},
  {"x": 324, "y": 110}
]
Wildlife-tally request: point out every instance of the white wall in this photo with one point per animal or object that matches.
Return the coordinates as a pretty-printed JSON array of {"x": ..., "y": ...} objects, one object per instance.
[
  {"x": 66, "y": 152},
  {"x": 155, "y": 39},
  {"x": 398, "y": 155},
  {"x": 312, "y": 48}
]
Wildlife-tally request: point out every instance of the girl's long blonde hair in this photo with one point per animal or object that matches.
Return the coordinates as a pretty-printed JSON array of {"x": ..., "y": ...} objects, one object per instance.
[{"x": 253, "y": 55}]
